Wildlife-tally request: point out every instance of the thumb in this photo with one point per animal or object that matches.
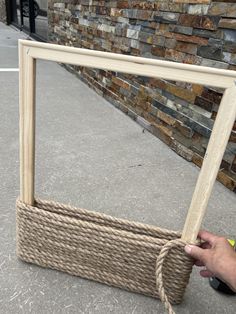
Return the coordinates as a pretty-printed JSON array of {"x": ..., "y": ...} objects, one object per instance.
[{"x": 195, "y": 251}]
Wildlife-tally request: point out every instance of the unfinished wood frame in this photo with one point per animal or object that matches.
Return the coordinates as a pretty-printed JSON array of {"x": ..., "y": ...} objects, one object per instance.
[{"x": 30, "y": 51}]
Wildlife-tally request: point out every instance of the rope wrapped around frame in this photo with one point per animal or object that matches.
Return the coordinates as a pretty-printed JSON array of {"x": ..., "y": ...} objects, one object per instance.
[{"x": 121, "y": 253}]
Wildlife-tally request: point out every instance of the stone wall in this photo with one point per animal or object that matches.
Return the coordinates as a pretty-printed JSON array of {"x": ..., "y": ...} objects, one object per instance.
[
  {"x": 2, "y": 11},
  {"x": 201, "y": 32}
]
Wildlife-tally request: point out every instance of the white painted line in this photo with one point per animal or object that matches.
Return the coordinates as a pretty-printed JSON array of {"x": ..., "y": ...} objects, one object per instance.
[{"x": 9, "y": 70}]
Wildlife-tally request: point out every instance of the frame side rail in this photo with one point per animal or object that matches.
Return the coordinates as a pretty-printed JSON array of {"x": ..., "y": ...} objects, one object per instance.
[{"x": 211, "y": 164}]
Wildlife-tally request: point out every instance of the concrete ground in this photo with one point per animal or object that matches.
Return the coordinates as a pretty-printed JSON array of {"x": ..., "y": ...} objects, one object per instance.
[{"x": 91, "y": 155}]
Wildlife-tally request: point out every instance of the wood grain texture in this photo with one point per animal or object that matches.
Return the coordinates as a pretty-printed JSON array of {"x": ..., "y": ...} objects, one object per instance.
[
  {"x": 211, "y": 164},
  {"x": 132, "y": 65},
  {"x": 21, "y": 114},
  {"x": 27, "y": 126}
]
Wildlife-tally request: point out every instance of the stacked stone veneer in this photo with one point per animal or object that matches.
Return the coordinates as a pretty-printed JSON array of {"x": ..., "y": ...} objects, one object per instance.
[
  {"x": 2, "y": 11},
  {"x": 198, "y": 32}
]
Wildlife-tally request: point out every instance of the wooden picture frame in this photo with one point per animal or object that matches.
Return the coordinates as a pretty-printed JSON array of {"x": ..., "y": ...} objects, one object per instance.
[{"x": 30, "y": 51}]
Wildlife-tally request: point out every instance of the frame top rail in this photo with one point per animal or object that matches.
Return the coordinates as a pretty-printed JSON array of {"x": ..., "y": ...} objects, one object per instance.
[{"x": 131, "y": 64}]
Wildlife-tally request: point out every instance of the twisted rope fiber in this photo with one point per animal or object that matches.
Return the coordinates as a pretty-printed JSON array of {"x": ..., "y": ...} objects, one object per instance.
[
  {"x": 159, "y": 271},
  {"x": 107, "y": 220},
  {"x": 105, "y": 233},
  {"x": 129, "y": 255}
]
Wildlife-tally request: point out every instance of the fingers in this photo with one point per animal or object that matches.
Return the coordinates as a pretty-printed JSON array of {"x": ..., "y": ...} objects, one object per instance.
[
  {"x": 207, "y": 236},
  {"x": 199, "y": 263},
  {"x": 205, "y": 245},
  {"x": 206, "y": 273},
  {"x": 196, "y": 252}
]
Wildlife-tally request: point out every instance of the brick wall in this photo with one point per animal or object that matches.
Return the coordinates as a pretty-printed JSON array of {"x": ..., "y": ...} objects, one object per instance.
[
  {"x": 2, "y": 11},
  {"x": 180, "y": 114}
]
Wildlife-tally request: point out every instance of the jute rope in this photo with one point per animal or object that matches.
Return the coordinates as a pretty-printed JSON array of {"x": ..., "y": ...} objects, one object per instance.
[
  {"x": 118, "y": 252},
  {"x": 159, "y": 268}
]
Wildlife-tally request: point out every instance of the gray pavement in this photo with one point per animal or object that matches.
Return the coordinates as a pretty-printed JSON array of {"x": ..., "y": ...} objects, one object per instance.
[{"x": 91, "y": 155}]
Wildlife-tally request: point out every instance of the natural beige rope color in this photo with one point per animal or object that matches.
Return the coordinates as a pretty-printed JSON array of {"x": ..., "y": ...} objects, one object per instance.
[{"x": 121, "y": 253}]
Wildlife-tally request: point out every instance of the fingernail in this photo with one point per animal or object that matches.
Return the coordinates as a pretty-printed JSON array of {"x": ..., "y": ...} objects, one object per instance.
[{"x": 188, "y": 248}]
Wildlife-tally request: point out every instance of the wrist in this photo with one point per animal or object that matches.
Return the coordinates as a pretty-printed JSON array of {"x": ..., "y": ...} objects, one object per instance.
[{"x": 230, "y": 274}]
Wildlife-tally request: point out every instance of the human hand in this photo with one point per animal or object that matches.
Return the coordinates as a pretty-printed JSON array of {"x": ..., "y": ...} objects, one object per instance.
[{"x": 218, "y": 257}]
